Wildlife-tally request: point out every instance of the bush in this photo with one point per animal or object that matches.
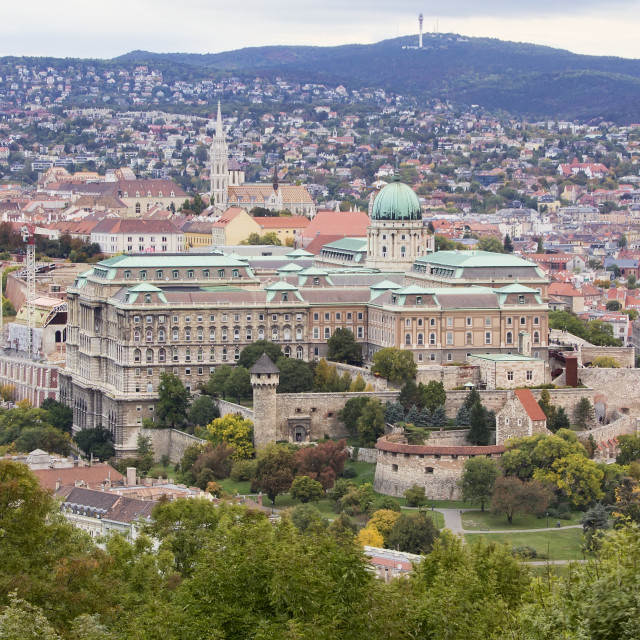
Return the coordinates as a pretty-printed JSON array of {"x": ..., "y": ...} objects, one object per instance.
[
  {"x": 524, "y": 551},
  {"x": 243, "y": 470},
  {"x": 348, "y": 472},
  {"x": 388, "y": 503},
  {"x": 416, "y": 496}
]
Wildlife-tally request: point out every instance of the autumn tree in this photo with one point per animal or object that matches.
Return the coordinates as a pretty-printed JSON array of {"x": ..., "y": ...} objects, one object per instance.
[
  {"x": 234, "y": 431},
  {"x": 274, "y": 471},
  {"x": 323, "y": 462},
  {"x": 478, "y": 479},
  {"x": 512, "y": 496},
  {"x": 305, "y": 489}
]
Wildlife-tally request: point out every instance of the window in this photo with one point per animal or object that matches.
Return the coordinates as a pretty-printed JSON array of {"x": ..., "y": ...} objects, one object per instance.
[
  {"x": 536, "y": 337},
  {"x": 449, "y": 337},
  {"x": 137, "y": 355},
  {"x": 189, "y": 273},
  {"x": 394, "y": 467},
  {"x": 187, "y": 334},
  {"x": 176, "y": 274},
  {"x": 159, "y": 274},
  {"x": 149, "y": 355},
  {"x": 160, "y": 319},
  {"x": 407, "y": 322},
  {"x": 136, "y": 335},
  {"x": 520, "y": 299},
  {"x": 187, "y": 355},
  {"x": 274, "y": 317},
  {"x": 274, "y": 333},
  {"x": 316, "y": 316},
  {"x": 523, "y": 321},
  {"x": 236, "y": 355},
  {"x": 420, "y": 338},
  {"x": 509, "y": 321},
  {"x": 506, "y": 422},
  {"x": 327, "y": 333},
  {"x": 187, "y": 371},
  {"x": 449, "y": 357},
  {"x": 212, "y": 354},
  {"x": 162, "y": 355},
  {"x": 136, "y": 319},
  {"x": 519, "y": 422},
  {"x": 205, "y": 273},
  {"x": 360, "y": 315},
  {"x": 428, "y": 469},
  {"x": 487, "y": 337},
  {"x": 174, "y": 355},
  {"x": 316, "y": 333},
  {"x": 147, "y": 297},
  {"x": 220, "y": 273},
  {"x": 175, "y": 335},
  {"x": 432, "y": 357},
  {"x": 432, "y": 338},
  {"x": 249, "y": 333},
  {"x": 509, "y": 337},
  {"x": 200, "y": 354},
  {"x": 224, "y": 354},
  {"x": 149, "y": 319},
  {"x": 487, "y": 321},
  {"x": 449, "y": 322},
  {"x": 509, "y": 375},
  {"x": 432, "y": 322},
  {"x": 469, "y": 322},
  {"x": 200, "y": 334},
  {"x": 349, "y": 316},
  {"x": 149, "y": 336},
  {"x": 143, "y": 275},
  {"x": 224, "y": 334},
  {"x": 469, "y": 338},
  {"x": 361, "y": 333},
  {"x": 407, "y": 339},
  {"x": 327, "y": 317},
  {"x": 419, "y": 357},
  {"x": 235, "y": 273},
  {"x": 236, "y": 334},
  {"x": 418, "y": 299},
  {"x": 529, "y": 375}
]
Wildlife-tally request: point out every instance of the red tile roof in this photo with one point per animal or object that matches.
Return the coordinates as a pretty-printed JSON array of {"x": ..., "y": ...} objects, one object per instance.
[
  {"x": 92, "y": 476},
  {"x": 396, "y": 447},
  {"x": 350, "y": 224},
  {"x": 530, "y": 404},
  {"x": 293, "y": 222}
]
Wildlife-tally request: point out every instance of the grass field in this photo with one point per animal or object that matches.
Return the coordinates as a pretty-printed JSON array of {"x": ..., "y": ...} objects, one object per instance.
[
  {"x": 551, "y": 545},
  {"x": 478, "y": 521}
]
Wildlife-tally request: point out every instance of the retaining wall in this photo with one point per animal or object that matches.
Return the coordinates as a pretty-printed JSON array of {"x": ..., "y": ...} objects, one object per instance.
[
  {"x": 226, "y": 407},
  {"x": 364, "y": 455},
  {"x": 170, "y": 442}
]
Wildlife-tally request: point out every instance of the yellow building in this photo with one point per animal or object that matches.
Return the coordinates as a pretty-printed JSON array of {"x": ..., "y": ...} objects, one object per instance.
[
  {"x": 234, "y": 226},
  {"x": 284, "y": 228},
  {"x": 197, "y": 233}
]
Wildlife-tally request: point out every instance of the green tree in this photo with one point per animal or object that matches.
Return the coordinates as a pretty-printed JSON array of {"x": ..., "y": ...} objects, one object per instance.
[
  {"x": 250, "y": 354},
  {"x": 548, "y": 409},
  {"x": 173, "y": 401},
  {"x": 416, "y": 496},
  {"x": 215, "y": 385},
  {"x": 296, "y": 376},
  {"x": 479, "y": 433},
  {"x": 629, "y": 449},
  {"x": 307, "y": 516},
  {"x": 560, "y": 420},
  {"x": 305, "y": 489},
  {"x": 351, "y": 411},
  {"x": 238, "y": 384},
  {"x": 203, "y": 411},
  {"x": 432, "y": 395},
  {"x": 60, "y": 415},
  {"x": 97, "y": 441},
  {"x": 344, "y": 348},
  {"x": 394, "y": 413},
  {"x": 579, "y": 478},
  {"x": 371, "y": 423},
  {"x": 584, "y": 414},
  {"x": 22, "y": 620},
  {"x": 414, "y": 533},
  {"x": 490, "y": 243},
  {"x": 478, "y": 479},
  {"x": 234, "y": 431},
  {"x": 274, "y": 472},
  {"x": 409, "y": 396},
  {"x": 396, "y": 365},
  {"x": 508, "y": 245}
]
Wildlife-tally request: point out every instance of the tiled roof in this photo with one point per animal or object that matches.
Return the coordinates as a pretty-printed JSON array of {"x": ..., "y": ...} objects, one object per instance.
[
  {"x": 395, "y": 447},
  {"x": 293, "y": 222},
  {"x": 264, "y": 364},
  {"x": 347, "y": 223},
  {"x": 92, "y": 476},
  {"x": 530, "y": 404}
]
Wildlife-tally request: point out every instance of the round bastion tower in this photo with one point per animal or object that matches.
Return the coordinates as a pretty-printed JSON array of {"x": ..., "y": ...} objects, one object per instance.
[{"x": 265, "y": 377}]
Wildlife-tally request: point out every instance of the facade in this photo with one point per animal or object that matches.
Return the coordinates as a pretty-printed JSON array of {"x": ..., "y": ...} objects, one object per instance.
[
  {"x": 130, "y": 318},
  {"x": 520, "y": 417},
  {"x": 137, "y": 235},
  {"x": 509, "y": 371},
  {"x": 234, "y": 226}
]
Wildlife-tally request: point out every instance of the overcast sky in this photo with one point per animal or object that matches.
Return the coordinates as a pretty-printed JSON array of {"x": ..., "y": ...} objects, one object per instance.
[{"x": 108, "y": 29}]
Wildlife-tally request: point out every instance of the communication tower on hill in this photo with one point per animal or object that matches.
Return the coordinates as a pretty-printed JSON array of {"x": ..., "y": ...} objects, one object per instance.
[{"x": 420, "y": 19}]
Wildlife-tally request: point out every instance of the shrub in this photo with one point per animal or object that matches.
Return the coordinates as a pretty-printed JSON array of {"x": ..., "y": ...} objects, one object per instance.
[
  {"x": 524, "y": 551},
  {"x": 243, "y": 470}
]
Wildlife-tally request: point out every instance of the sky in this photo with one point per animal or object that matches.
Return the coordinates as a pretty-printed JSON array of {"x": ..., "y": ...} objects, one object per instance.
[{"x": 72, "y": 28}]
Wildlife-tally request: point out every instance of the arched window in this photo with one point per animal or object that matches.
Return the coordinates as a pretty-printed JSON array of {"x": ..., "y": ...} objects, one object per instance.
[
  {"x": 403, "y": 251},
  {"x": 212, "y": 354},
  {"x": 137, "y": 355},
  {"x": 200, "y": 355},
  {"x": 299, "y": 352},
  {"x": 200, "y": 334},
  {"x": 407, "y": 339},
  {"x": 161, "y": 335},
  {"x": 287, "y": 333},
  {"x": 299, "y": 333},
  {"x": 187, "y": 355},
  {"x": 536, "y": 337},
  {"x": 162, "y": 355},
  {"x": 149, "y": 336},
  {"x": 432, "y": 338},
  {"x": 236, "y": 334},
  {"x": 509, "y": 337},
  {"x": 274, "y": 333},
  {"x": 224, "y": 353},
  {"x": 136, "y": 335},
  {"x": 175, "y": 354},
  {"x": 187, "y": 334},
  {"x": 420, "y": 339},
  {"x": 175, "y": 334},
  {"x": 149, "y": 355},
  {"x": 236, "y": 354},
  {"x": 287, "y": 352},
  {"x": 384, "y": 251},
  {"x": 260, "y": 333}
]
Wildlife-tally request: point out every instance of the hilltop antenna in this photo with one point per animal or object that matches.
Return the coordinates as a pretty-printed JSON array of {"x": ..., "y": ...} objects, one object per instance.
[{"x": 420, "y": 19}]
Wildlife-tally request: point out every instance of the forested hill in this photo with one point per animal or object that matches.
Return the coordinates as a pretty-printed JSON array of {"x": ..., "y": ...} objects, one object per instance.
[{"x": 519, "y": 78}]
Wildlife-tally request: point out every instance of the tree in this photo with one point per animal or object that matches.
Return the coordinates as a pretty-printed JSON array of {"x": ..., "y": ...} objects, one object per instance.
[
  {"x": 274, "y": 471},
  {"x": 359, "y": 499},
  {"x": 512, "y": 496},
  {"x": 439, "y": 417},
  {"x": 479, "y": 433},
  {"x": 414, "y": 533},
  {"x": 560, "y": 420},
  {"x": 250, "y": 354},
  {"x": 370, "y": 537},
  {"x": 305, "y": 489},
  {"x": 394, "y": 413},
  {"x": 463, "y": 416},
  {"x": 548, "y": 409},
  {"x": 173, "y": 401},
  {"x": 352, "y": 410},
  {"x": 215, "y": 385},
  {"x": 579, "y": 478},
  {"x": 215, "y": 459},
  {"x": 629, "y": 449},
  {"x": 234, "y": 431},
  {"x": 296, "y": 376},
  {"x": 471, "y": 398},
  {"x": 371, "y": 423},
  {"x": 540, "y": 247},
  {"x": 344, "y": 348},
  {"x": 490, "y": 243},
  {"x": 605, "y": 362},
  {"x": 46, "y": 438},
  {"x": 324, "y": 462},
  {"x": 203, "y": 411},
  {"x": 413, "y": 415},
  {"x": 594, "y": 520},
  {"x": 416, "y": 496},
  {"x": 383, "y": 521},
  {"x": 508, "y": 245},
  {"x": 395, "y": 365},
  {"x": 238, "y": 384},
  {"x": 358, "y": 384},
  {"x": 613, "y": 305},
  {"x": 432, "y": 395},
  {"x": 22, "y": 620},
  {"x": 478, "y": 479},
  {"x": 409, "y": 396},
  {"x": 60, "y": 415},
  {"x": 307, "y": 516},
  {"x": 97, "y": 441},
  {"x": 584, "y": 414}
]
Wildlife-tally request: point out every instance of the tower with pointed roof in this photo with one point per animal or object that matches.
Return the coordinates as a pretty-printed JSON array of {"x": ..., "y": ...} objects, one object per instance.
[
  {"x": 265, "y": 377},
  {"x": 219, "y": 166}
]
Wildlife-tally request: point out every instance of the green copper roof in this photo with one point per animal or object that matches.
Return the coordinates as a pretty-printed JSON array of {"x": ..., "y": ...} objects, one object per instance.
[
  {"x": 516, "y": 288},
  {"x": 474, "y": 259},
  {"x": 299, "y": 253},
  {"x": 396, "y": 201},
  {"x": 280, "y": 286},
  {"x": 145, "y": 287},
  {"x": 313, "y": 271},
  {"x": 289, "y": 268},
  {"x": 348, "y": 244},
  {"x": 386, "y": 285},
  {"x": 159, "y": 260}
]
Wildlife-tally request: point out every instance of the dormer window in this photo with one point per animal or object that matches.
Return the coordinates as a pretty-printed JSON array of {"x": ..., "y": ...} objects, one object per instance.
[
  {"x": 159, "y": 274},
  {"x": 147, "y": 297},
  {"x": 393, "y": 299},
  {"x": 159, "y": 194},
  {"x": 127, "y": 274},
  {"x": 418, "y": 299},
  {"x": 235, "y": 273},
  {"x": 189, "y": 273},
  {"x": 520, "y": 299},
  {"x": 285, "y": 296},
  {"x": 316, "y": 281},
  {"x": 126, "y": 194},
  {"x": 137, "y": 194},
  {"x": 173, "y": 194},
  {"x": 143, "y": 275}
]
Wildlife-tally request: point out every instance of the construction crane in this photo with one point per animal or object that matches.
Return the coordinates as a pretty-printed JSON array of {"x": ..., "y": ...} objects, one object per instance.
[{"x": 29, "y": 238}]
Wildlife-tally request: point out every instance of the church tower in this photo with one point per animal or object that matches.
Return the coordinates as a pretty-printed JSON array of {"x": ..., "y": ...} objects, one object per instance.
[{"x": 219, "y": 166}]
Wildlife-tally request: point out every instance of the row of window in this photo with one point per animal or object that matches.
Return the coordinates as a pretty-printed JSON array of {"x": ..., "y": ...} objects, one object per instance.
[
  {"x": 175, "y": 273},
  {"x": 224, "y": 317},
  {"x": 338, "y": 316},
  {"x": 224, "y": 334},
  {"x": 488, "y": 336},
  {"x": 469, "y": 321},
  {"x": 328, "y": 332},
  {"x": 198, "y": 355}
]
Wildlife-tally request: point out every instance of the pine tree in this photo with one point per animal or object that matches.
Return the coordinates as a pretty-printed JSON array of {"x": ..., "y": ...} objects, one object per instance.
[
  {"x": 394, "y": 413},
  {"x": 439, "y": 417},
  {"x": 478, "y": 432},
  {"x": 472, "y": 398},
  {"x": 545, "y": 404},
  {"x": 463, "y": 416},
  {"x": 413, "y": 415},
  {"x": 560, "y": 421},
  {"x": 424, "y": 419},
  {"x": 584, "y": 414},
  {"x": 508, "y": 245}
]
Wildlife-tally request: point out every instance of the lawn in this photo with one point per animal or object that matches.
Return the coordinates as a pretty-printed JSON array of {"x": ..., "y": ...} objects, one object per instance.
[
  {"x": 551, "y": 545},
  {"x": 231, "y": 486},
  {"x": 479, "y": 521}
]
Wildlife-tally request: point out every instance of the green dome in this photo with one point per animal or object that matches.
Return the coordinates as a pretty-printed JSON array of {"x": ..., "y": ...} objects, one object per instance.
[{"x": 396, "y": 201}]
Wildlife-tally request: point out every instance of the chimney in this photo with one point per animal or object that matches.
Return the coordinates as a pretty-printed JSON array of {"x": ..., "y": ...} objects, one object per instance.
[
  {"x": 58, "y": 483},
  {"x": 571, "y": 372},
  {"x": 131, "y": 476}
]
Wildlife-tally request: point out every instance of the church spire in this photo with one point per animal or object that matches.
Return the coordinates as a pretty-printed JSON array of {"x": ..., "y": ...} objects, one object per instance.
[
  {"x": 219, "y": 165},
  {"x": 219, "y": 129}
]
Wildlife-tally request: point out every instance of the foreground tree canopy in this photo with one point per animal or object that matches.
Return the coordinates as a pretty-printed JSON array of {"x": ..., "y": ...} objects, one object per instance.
[{"x": 229, "y": 573}]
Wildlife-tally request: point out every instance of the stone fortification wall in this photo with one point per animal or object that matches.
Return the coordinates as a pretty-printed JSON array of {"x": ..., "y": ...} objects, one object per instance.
[
  {"x": 626, "y": 425},
  {"x": 614, "y": 389},
  {"x": 624, "y": 356},
  {"x": 170, "y": 442},
  {"x": 438, "y": 469},
  {"x": 452, "y": 438},
  {"x": 451, "y": 377},
  {"x": 16, "y": 290},
  {"x": 363, "y": 454},
  {"x": 226, "y": 407},
  {"x": 378, "y": 384}
]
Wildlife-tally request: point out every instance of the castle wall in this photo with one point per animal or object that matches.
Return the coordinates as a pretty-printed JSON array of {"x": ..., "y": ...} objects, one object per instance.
[
  {"x": 624, "y": 356},
  {"x": 170, "y": 442},
  {"x": 226, "y": 407}
]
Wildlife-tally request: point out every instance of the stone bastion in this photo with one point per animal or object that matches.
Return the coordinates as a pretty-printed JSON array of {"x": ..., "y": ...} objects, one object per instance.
[{"x": 437, "y": 467}]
